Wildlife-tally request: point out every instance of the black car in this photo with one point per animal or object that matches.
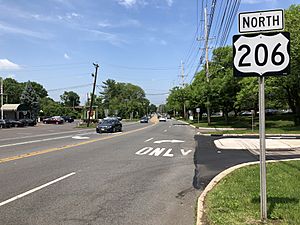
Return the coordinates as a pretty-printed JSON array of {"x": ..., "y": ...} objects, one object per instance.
[
  {"x": 68, "y": 119},
  {"x": 109, "y": 125},
  {"x": 5, "y": 124},
  {"x": 16, "y": 123},
  {"x": 144, "y": 119},
  {"x": 28, "y": 122}
]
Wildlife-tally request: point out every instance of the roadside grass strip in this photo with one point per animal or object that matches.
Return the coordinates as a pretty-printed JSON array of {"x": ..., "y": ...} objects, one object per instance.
[{"x": 235, "y": 198}]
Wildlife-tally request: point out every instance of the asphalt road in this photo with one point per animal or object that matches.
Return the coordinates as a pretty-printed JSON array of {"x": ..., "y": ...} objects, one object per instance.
[
  {"x": 58, "y": 174},
  {"x": 148, "y": 174}
]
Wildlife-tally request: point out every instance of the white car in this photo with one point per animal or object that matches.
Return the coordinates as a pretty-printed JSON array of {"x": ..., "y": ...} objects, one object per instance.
[{"x": 162, "y": 119}]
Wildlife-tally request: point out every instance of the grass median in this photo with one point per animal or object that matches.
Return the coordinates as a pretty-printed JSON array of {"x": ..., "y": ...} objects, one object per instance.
[
  {"x": 275, "y": 124},
  {"x": 235, "y": 200}
]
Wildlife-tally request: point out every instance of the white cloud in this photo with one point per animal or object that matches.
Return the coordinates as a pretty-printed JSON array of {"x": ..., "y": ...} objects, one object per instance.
[
  {"x": 163, "y": 42},
  {"x": 123, "y": 23},
  {"x": 127, "y": 3},
  {"x": 258, "y": 1},
  {"x": 105, "y": 24},
  {"x": 25, "y": 32},
  {"x": 66, "y": 56},
  {"x": 5, "y": 64},
  {"x": 104, "y": 36},
  {"x": 132, "y": 3},
  {"x": 170, "y": 2}
]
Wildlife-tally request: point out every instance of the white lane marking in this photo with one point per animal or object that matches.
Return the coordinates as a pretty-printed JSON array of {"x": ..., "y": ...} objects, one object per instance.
[
  {"x": 144, "y": 151},
  {"x": 165, "y": 130},
  {"x": 35, "y": 141},
  {"x": 157, "y": 151},
  {"x": 35, "y": 189},
  {"x": 168, "y": 153},
  {"x": 185, "y": 152},
  {"x": 80, "y": 137},
  {"x": 41, "y": 135},
  {"x": 168, "y": 141},
  {"x": 149, "y": 139}
]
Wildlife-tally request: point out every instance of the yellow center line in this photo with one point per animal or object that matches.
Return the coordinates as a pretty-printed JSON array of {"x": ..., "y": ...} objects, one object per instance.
[{"x": 35, "y": 153}]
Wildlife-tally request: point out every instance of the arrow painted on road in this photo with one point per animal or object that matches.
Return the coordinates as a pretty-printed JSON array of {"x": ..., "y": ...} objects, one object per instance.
[
  {"x": 80, "y": 137},
  {"x": 168, "y": 141}
]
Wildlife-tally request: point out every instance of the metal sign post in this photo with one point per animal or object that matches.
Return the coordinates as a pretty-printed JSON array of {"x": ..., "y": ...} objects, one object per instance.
[
  {"x": 261, "y": 54},
  {"x": 262, "y": 155}
]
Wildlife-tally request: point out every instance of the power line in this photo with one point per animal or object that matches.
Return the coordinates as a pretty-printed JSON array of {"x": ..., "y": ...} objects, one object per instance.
[{"x": 72, "y": 87}]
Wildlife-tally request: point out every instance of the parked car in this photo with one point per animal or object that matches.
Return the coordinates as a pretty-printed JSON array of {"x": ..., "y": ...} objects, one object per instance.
[
  {"x": 28, "y": 122},
  {"x": 109, "y": 125},
  {"x": 144, "y": 119},
  {"x": 68, "y": 119},
  {"x": 16, "y": 123},
  {"x": 4, "y": 124},
  {"x": 54, "y": 120}
]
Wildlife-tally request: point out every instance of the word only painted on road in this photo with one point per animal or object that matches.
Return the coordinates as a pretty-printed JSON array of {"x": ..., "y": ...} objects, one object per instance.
[{"x": 160, "y": 151}]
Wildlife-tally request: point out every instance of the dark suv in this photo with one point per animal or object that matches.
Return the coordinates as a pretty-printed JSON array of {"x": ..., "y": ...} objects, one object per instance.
[{"x": 109, "y": 125}]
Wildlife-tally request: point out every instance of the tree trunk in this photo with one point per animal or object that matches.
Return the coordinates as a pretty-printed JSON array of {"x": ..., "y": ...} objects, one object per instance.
[{"x": 225, "y": 114}]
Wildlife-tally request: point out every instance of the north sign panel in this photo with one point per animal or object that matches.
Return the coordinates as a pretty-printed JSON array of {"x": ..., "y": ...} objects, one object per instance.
[{"x": 261, "y": 54}]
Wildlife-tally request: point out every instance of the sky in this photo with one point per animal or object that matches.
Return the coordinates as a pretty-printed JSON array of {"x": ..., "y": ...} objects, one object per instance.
[{"x": 56, "y": 42}]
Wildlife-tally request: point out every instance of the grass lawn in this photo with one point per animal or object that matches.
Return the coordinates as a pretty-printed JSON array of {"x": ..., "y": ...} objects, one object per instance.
[
  {"x": 276, "y": 124},
  {"x": 235, "y": 200}
]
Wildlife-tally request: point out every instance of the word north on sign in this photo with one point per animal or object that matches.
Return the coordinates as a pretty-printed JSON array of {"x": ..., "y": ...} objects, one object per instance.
[
  {"x": 261, "y": 21},
  {"x": 262, "y": 54}
]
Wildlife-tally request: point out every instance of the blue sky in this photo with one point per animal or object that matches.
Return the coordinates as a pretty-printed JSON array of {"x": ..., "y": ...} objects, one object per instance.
[{"x": 55, "y": 42}]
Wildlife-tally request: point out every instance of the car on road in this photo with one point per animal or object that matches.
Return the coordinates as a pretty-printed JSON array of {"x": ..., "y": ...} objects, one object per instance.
[
  {"x": 68, "y": 119},
  {"x": 162, "y": 119},
  {"x": 144, "y": 119},
  {"x": 109, "y": 125},
  {"x": 54, "y": 120}
]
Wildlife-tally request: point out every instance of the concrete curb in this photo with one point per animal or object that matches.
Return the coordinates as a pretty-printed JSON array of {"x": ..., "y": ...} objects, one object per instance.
[{"x": 217, "y": 179}]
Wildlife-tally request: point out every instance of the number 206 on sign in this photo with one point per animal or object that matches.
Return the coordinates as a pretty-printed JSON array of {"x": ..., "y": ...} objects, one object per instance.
[{"x": 261, "y": 54}]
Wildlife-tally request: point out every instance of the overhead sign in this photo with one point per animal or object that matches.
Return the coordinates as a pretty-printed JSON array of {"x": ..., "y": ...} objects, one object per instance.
[
  {"x": 261, "y": 21},
  {"x": 261, "y": 54}
]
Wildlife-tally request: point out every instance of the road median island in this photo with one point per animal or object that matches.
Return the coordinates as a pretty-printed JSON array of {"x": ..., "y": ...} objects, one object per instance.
[{"x": 232, "y": 197}]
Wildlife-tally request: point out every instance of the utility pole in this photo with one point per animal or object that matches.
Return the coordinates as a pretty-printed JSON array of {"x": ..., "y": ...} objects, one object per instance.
[
  {"x": 1, "y": 92},
  {"x": 182, "y": 77},
  {"x": 92, "y": 97},
  {"x": 206, "y": 67}
]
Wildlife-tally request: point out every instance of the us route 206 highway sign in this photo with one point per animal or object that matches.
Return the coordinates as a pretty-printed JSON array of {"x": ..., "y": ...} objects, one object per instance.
[{"x": 261, "y": 54}]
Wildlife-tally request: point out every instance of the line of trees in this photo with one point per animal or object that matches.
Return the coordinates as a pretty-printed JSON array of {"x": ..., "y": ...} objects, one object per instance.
[
  {"x": 35, "y": 96},
  {"x": 228, "y": 93},
  {"x": 123, "y": 99}
]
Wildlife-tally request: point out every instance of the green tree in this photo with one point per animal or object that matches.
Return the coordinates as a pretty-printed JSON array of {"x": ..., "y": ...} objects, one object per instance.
[
  {"x": 289, "y": 86},
  {"x": 12, "y": 91},
  {"x": 70, "y": 99},
  {"x": 125, "y": 98},
  {"x": 152, "y": 108},
  {"x": 30, "y": 99}
]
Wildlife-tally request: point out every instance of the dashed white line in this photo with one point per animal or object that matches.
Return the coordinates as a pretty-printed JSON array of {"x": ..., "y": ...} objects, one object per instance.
[
  {"x": 165, "y": 130},
  {"x": 149, "y": 139},
  {"x": 36, "y": 189}
]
